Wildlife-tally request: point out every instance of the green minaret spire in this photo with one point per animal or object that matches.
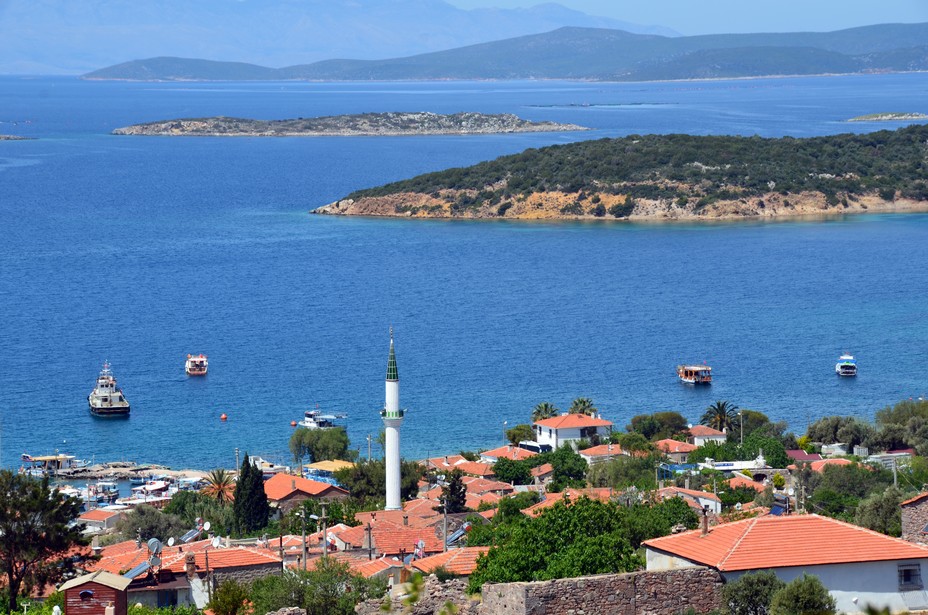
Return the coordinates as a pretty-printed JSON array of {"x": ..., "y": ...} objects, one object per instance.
[{"x": 392, "y": 374}]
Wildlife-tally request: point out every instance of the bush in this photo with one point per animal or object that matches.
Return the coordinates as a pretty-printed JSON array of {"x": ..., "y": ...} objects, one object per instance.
[
  {"x": 229, "y": 598},
  {"x": 803, "y": 596},
  {"x": 751, "y": 594}
]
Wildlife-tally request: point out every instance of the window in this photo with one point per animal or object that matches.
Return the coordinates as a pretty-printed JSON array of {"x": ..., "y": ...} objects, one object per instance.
[
  {"x": 910, "y": 576},
  {"x": 86, "y": 594}
]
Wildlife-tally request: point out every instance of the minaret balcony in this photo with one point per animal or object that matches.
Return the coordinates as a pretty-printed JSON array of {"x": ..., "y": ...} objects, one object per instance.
[{"x": 392, "y": 414}]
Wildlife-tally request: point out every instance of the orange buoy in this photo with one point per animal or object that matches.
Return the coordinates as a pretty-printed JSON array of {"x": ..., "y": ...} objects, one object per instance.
[
  {"x": 292, "y": 423},
  {"x": 223, "y": 416}
]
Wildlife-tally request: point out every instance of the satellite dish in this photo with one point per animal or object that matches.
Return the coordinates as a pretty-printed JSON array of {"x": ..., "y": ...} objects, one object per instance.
[
  {"x": 206, "y": 526},
  {"x": 154, "y": 545},
  {"x": 155, "y": 560},
  {"x": 791, "y": 491},
  {"x": 171, "y": 541},
  {"x": 216, "y": 542}
]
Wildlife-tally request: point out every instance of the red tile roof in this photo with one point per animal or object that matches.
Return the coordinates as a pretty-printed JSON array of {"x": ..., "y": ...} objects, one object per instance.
[
  {"x": 99, "y": 514},
  {"x": 391, "y": 540},
  {"x": 670, "y": 492},
  {"x": 448, "y": 461},
  {"x": 418, "y": 513},
  {"x": 508, "y": 452},
  {"x": 820, "y": 465},
  {"x": 573, "y": 421},
  {"x": 779, "y": 542},
  {"x": 124, "y": 556},
  {"x": 917, "y": 498},
  {"x": 545, "y": 468},
  {"x": 281, "y": 486},
  {"x": 550, "y": 499},
  {"x": 675, "y": 446},
  {"x": 703, "y": 430},
  {"x": 742, "y": 481},
  {"x": 603, "y": 450},
  {"x": 456, "y": 561},
  {"x": 475, "y": 468},
  {"x": 801, "y": 455}
]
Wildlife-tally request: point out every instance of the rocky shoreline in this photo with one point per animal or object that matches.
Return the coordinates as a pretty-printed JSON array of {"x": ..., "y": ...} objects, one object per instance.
[
  {"x": 604, "y": 206},
  {"x": 366, "y": 124},
  {"x": 889, "y": 117},
  {"x": 123, "y": 470}
]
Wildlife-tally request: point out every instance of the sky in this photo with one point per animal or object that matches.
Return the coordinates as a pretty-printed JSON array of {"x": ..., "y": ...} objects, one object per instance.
[{"x": 713, "y": 16}]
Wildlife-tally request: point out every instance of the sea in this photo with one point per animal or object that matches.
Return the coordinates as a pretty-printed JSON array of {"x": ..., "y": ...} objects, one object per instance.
[{"x": 140, "y": 250}]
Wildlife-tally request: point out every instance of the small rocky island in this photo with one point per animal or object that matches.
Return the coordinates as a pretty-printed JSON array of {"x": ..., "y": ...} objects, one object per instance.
[
  {"x": 889, "y": 117},
  {"x": 365, "y": 124}
]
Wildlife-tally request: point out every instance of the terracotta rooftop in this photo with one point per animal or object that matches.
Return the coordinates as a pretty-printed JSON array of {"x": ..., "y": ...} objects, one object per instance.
[
  {"x": 821, "y": 464},
  {"x": 508, "y": 452},
  {"x": 448, "y": 461},
  {"x": 917, "y": 498},
  {"x": 573, "y": 421},
  {"x": 456, "y": 561},
  {"x": 702, "y": 431},
  {"x": 124, "y": 556},
  {"x": 281, "y": 486},
  {"x": 475, "y": 468},
  {"x": 545, "y": 468},
  {"x": 675, "y": 446},
  {"x": 742, "y": 481},
  {"x": 99, "y": 514},
  {"x": 603, "y": 450},
  {"x": 550, "y": 499},
  {"x": 801, "y": 455},
  {"x": 391, "y": 540},
  {"x": 670, "y": 492},
  {"x": 417, "y": 513},
  {"x": 778, "y": 542}
]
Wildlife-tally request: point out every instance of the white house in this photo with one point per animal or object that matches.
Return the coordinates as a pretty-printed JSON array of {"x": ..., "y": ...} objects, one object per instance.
[
  {"x": 858, "y": 566},
  {"x": 570, "y": 428},
  {"x": 700, "y": 435},
  {"x": 697, "y": 499}
]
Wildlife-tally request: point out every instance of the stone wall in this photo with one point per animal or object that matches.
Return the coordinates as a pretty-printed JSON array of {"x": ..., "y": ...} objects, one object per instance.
[
  {"x": 638, "y": 593},
  {"x": 914, "y": 520},
  {"x": 432, "y": 600},
  {"x": 246, "y": 574}
]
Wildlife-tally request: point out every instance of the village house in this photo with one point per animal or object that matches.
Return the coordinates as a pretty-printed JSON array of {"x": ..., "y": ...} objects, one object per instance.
[
  {"x": 460, "y": 562},
  {"x": 92, "y": 593},
  {"x": 675, "y": 450},
  {"x": 515, "y": 453},
  {"x": 700, "y": 435},
  {"x": 601, "y": 453},
  {"x": 798, "y": 455},
  {"x": 700, "y": 500},
  {"x": 100, "y": 520},
  {"x": 858, "y": 566},
  {"x": 570, "y": 429},
  {"x": 285, "y": 491}
]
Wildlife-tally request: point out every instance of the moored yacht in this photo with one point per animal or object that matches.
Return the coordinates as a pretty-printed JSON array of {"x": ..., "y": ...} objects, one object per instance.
[
  {"x": 107, "y": 399},
  {"x": 196, "y": 365},
  {"x": 314, "y": 419},
  {"x": 846, "y": 365}
]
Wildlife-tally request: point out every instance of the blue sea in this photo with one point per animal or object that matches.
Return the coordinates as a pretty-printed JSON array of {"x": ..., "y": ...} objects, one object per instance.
[{"x": 140, "y": 250}]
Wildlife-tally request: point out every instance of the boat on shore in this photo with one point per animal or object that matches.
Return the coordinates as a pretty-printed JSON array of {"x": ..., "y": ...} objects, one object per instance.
[
  {"x": 694, "y": 374},
  {"x": 196, "y": 365},
  {"x": 846, "y": 366},
  {"x": 314, "y": 419},
  {"x": 107, "y": 398}
]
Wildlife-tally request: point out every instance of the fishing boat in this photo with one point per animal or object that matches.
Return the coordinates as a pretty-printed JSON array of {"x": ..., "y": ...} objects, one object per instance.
[
  {"x": 107, "y": 399},
  {"x": 196, "y": 365},
  {"x": 846, "y": 365},
  {"x": 695, "y": 374},
  {"x": 314, "y": 419}
]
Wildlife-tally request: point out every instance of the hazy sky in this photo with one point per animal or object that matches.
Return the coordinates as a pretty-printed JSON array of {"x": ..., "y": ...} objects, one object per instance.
[{"x": 705, "y": 16}]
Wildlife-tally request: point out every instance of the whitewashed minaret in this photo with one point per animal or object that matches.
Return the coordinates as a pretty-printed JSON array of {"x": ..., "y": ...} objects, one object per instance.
[{"x": 392, "y": 420}]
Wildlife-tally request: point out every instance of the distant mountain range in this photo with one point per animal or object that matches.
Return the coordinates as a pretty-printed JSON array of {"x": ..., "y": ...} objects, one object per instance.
[
  {"x": 591, "y": 53},
  {"x": 70, "y": 37}
]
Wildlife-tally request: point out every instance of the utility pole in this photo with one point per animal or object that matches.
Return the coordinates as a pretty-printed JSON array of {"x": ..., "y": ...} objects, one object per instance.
[
  {"x": 370, "y": 542},
  {"x": 895, "y": 477},
  {"x": 444, "y": 534},
  {"x": 369, "y": 437},
  {"x": 303, "y": 519},
  {"x": 325, "y": 532},
  {"x": 741, "y": 414},
  {"x": 237, "y": 465}
]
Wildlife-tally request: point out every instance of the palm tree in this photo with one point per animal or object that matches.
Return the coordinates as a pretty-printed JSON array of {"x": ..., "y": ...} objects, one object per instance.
[
  {"x": 220, "y": 485},
  {"x": 544, "y": 410},
  {"x": 583, "y": 405},
  {"x": 719, "y": 415}
]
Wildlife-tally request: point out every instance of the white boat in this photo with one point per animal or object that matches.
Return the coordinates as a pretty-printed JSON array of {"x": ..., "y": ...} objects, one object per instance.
[
  {"x": 314, "y": 419},
  {"x": 846, "y": 365},
  {"x": 107, "y": 399},
  {"x": 695, "y": 374},
  {"x": 196, "y": 365}
]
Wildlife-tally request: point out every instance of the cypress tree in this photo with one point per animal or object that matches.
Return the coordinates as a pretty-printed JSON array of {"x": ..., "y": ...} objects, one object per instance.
[{"x": 251, "y": 509}]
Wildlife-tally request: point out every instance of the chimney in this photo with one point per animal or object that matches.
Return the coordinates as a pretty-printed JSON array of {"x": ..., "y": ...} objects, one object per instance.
[
  {"x": 446, "y": 459},
  {"x": 686, "y": 482},
  {"x": 190, "y": 564},
  {"x": 293, "y": 484},
  {"x": 228, "y": 541},
  {"x": 405, "y": 519},
  {"x": 609, "y": 447},
  {"x": 705, "y": 520}
]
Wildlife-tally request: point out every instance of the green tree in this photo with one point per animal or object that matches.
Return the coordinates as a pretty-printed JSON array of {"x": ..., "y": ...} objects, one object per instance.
[
  {"x": 328, "y": 588},
  {"x": 772, "y": 448},
  {"x": 582, "y": 405},
  {"x": 631, "y": 442},
  {"x": 544, "y": 410},
  {"x": 453, "y": 494},
  {"x": 320, "y": 444},
  {"x": 719, "y": 415},
  {"x": 148, "y": 522},
  {"x": 229, "y": 598},
  {"x": 36, "y": 538},
  {"x": 367, "y": 480},
  {"x": 193, "y": 505},
  {"x": 512, "y": 471},
  {"x": 825, "y": 430},
  {"x": 747, "y": 421},
  {"x": 881, "y": 512},
  {"x": 659, "y": 425},
  {"x": 251, "y": 510},
  {"x": 804, "y": 595},
  {"x": 220, "y": 485},
  {"x": 623, "y": 472},
  {"x": 567, "y": 540},
  {"x": 569, "y": 468},
  {"x": 751, "y": 593},
  {"x": 519, "y": 433}
]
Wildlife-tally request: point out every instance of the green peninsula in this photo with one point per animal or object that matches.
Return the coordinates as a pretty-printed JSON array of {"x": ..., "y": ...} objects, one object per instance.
[
  {"x": 365, "y": 124},
  {"x": 666, "y": 177}
]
